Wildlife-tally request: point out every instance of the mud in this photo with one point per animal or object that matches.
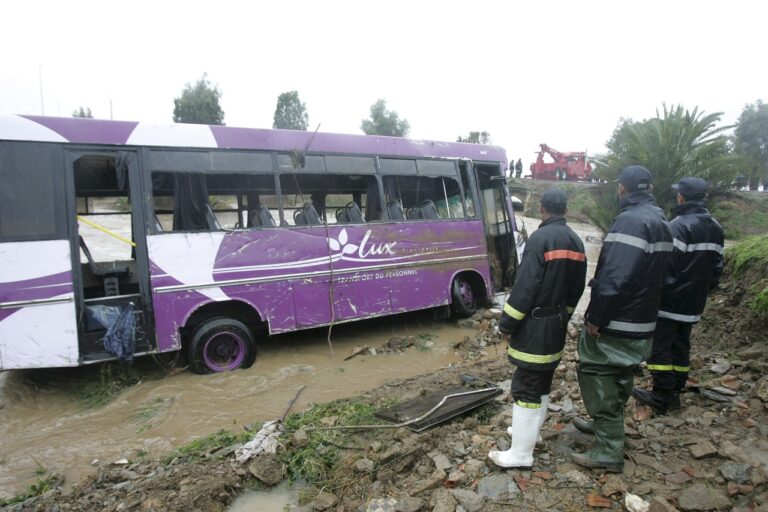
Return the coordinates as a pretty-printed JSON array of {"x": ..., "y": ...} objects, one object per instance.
[{"x": 44, "y": 426}]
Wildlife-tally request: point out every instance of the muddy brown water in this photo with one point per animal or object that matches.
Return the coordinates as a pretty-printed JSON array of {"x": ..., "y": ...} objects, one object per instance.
[
  {"x": 45, "y": 427},
  {"x": 42, "y": 426}
]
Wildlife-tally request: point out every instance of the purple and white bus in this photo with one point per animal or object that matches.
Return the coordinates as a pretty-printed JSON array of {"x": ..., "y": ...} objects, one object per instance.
[{"x": 119, "y": 239}]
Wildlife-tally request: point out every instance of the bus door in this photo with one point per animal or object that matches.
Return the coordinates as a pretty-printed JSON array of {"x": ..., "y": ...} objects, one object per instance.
[
  {"x": 499, "y": 226},
  {"x": 109, "y": 255},
  {"x": 38, "y": 326}
]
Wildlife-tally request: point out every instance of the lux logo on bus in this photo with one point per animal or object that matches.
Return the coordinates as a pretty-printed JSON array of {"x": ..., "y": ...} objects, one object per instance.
[{"x": 363, "y": 250}]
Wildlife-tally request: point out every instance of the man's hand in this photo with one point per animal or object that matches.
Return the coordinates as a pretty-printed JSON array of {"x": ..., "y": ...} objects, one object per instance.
[{"x": 592, "y": 329}]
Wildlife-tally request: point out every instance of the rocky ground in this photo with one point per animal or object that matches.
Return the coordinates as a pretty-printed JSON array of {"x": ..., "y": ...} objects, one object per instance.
[{"x": 710, "y": 455}]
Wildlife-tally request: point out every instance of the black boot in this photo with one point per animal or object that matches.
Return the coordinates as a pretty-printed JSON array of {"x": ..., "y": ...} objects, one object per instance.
[
  {"x": 674, "y": 404},
  {"x": 650, "y": 399}
]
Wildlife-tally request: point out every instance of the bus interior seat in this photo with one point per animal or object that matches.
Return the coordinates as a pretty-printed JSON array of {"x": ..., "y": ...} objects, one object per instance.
[
  {"x": 395, "y": 211},
  {"x": 108, "y": 273},
  {"x": 211, "y": 220},
  {"x": 341, "y": 216},
  {"x": 428, "y": 209},
  {"x": 354, "y": 215},
  {"x": 413, "y": 213},
  {"x": 299, "y": 218},
  {"x": 311, "y": 218},
  {"x": 260, "y": 218}
]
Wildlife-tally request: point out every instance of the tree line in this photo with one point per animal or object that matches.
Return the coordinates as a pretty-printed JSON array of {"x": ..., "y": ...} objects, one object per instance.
[{"x": 676, "y": 142}]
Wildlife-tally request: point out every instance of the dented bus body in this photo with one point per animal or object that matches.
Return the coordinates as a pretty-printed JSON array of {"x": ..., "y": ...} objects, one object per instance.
[{"x": 119, "y": 239}]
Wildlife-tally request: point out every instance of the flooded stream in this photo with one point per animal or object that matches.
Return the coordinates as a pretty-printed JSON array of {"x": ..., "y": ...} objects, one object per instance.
[
  {"x": 45, "y": 427},
  {"x": 42, "y": 426}
]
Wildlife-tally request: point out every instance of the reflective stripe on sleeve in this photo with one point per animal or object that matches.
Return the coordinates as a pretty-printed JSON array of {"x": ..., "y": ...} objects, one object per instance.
[
  {"x": 528, "y": 405},
  {"x": 691, "y": 319},
  {"x": 562, "y": 254},
  {"x": 533, "y": 358},
  {"x": 682, "y": 369},
  {"x": 682, "y": 246},
  {"x": 630, "y": 327},
  {"x": 660, "y": 367},
  {"x": 638, "y": 242},
  {"x": 517, "y": 315}
]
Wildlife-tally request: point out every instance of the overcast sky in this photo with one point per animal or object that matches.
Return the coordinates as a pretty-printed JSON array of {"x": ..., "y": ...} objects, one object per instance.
[{"x": 560, "y": 72}]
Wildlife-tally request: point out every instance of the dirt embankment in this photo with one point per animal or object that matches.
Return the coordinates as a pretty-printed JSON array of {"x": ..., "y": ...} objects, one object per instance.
[{"x": 710, "y": 455}]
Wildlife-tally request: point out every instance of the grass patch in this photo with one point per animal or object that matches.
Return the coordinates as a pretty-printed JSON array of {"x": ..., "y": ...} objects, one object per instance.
[
  {"x": 314, "y": 463},
  {"x": 200, "y": 448},
  {"x": 150, "y": 410},
  {"x": 485, "y": 412},
  {"x": 113, "y": 378},
  {"x": 41, "y": 486},
  {"x": 741, "y": 214},
  {"x": 751, "y": 257}
]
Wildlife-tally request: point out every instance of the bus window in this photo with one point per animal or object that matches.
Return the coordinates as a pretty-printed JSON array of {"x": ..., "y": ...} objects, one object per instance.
[
  {"x": 312, "y": 199},
  {"x": 212, "y": 202},
  {"x": 425, "y": 198},
  {"x": 31, "y": 206}
]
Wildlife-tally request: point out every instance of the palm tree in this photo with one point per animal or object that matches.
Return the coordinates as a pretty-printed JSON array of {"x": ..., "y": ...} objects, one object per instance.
[{"x": 672, "y": 145}]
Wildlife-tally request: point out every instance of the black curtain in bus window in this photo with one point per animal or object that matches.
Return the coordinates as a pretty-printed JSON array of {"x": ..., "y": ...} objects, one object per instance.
[
  {"x": 31, "y": 192},
  {"x": 185, "y": 195},
  {"x": 190, "y": 209}
]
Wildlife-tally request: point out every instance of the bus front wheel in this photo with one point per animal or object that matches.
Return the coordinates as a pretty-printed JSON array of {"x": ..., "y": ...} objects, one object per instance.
[
  {"x": 463, "y": 298},
  {"x": 220, "y": 345}
]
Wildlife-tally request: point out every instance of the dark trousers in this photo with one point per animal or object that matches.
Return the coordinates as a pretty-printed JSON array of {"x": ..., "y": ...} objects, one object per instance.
[
  {"x": 528, "y": 385},
  {"x": 670, "y": 358}
]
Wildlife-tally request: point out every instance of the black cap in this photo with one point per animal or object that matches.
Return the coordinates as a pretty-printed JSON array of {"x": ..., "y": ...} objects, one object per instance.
[
  {"x": 555, "y": 201},
  {"x": 636, "y": 178},
  {"x": 691, "y": 188}
]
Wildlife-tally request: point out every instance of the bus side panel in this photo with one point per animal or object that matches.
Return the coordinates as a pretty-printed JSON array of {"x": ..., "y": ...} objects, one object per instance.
[
  {"x": 445, "y": 248},
  {"x": 42, "y": 331}
]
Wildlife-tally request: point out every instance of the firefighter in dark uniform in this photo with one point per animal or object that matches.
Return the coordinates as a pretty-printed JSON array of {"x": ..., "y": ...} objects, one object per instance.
[
  {"x": 621, "y": 315},
  {"x": 695, "y": 269},
  {"x": 547, "y": 288}
]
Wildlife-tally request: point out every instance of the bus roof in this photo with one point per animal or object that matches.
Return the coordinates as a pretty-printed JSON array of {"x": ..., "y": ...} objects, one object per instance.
[{"x": 133, "y": 133}]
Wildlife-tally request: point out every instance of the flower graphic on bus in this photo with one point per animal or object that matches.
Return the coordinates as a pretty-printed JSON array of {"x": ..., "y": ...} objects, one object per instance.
[
  {"x": 364, "y": 250},
  {"x": 341, "y": 244}
]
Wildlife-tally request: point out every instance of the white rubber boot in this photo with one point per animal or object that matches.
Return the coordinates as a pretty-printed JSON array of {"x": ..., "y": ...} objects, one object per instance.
[
  {"x": 525, "y": 424},
  {"x": 544, "y": 405}
]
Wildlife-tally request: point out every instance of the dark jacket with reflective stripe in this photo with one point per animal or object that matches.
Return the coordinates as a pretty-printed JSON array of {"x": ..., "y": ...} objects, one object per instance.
[
  {"x": 696, "y": 263},
  {"x": 547, "y": 287},
  {"x": 626, "y": 289}
]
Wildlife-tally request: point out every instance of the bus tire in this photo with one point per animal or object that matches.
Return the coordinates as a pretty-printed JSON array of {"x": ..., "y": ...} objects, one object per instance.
[
  {"x": 463, "y": 298},
  {"x": 220, "y": 345}
]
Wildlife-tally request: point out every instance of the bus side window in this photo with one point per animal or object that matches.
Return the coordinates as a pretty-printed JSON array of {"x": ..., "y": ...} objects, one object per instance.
[
  {"x": 334, "y": 198},
  {"x": 423, "y": 197},
  {"x": 212, "y": 202}
]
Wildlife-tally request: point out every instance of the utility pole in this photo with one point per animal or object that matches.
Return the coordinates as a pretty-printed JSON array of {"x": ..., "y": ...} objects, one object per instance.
[{"x": 40, "y": 79}]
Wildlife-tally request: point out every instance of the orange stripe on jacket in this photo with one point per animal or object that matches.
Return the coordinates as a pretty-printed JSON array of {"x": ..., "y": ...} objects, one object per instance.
[{"x": 562, "y": 254}]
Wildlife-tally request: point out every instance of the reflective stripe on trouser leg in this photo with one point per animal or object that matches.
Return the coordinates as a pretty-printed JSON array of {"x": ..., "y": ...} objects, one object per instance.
[
  {"x": 681, "y": 355},
  {"x": 660, "y": 362},
  {"x": 605, "y": 391}
]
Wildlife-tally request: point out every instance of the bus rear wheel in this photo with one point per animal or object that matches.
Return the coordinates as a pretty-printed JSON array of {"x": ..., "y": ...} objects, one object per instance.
[
  {"x": 463, "y": 298},
  {"x": 220, "y": 345}
]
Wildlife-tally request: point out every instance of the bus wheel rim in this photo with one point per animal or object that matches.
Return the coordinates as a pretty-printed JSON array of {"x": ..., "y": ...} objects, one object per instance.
[
  {"x": 465, "y": 292},
  {"x": 224, "y": 351}
]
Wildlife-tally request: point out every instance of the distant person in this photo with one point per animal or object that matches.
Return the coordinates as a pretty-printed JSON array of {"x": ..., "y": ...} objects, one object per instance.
[
  {"x": 621, "y": 316},
  {"x": 518, "y": 168},
  {"x": 694, "y": 271},
  {"x": 547, "y": 288}
]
